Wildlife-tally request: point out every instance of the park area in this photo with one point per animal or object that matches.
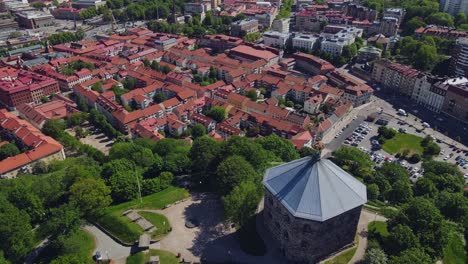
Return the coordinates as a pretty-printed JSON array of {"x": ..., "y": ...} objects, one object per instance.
[
  {"x": 127, "y": 231},
  {"x": 402, "y": 143}
]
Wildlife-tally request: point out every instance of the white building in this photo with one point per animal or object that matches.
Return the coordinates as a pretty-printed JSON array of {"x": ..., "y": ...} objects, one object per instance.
[
  {"x": 338, "y": 41},
  {"x": 304, "y": 41},
  {"x": 429, "y": 92},
  {"x": 281, "y": 25},
  {"x": 275, "y": 39}
]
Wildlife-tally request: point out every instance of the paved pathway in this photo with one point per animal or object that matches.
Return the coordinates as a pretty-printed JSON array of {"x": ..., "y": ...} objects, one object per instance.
[
  {"x": 366, "y": 217},
  {"x": 37, "y": 250},
  {"x": 107, "y": 246}
]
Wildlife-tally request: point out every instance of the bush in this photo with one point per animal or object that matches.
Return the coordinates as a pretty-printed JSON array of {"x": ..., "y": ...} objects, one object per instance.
[{"x": 415, "y": 158}]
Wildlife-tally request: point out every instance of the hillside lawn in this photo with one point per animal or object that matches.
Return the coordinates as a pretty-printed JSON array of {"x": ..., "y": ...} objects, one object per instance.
[
  {"x": 454, "y": 252},
  {"x": 165, "y": 257},
  {"x": 159, "y": 221},
  {"x": 403, "y": 141},
  {"x": 122, "y": 227}
]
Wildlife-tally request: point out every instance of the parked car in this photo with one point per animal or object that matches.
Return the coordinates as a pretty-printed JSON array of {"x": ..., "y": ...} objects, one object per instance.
[{"x": 98, "y": 256}]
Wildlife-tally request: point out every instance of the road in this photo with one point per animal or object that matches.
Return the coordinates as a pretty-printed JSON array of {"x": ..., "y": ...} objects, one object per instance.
[{"x": 107, "y": 246}]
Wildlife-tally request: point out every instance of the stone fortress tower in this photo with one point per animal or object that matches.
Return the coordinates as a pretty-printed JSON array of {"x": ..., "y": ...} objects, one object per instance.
[{"x": 311, "y": 208}]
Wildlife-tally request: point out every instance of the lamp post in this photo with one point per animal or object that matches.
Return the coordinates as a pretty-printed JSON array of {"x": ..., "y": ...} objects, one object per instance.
[{"x": 138, "y": 184}]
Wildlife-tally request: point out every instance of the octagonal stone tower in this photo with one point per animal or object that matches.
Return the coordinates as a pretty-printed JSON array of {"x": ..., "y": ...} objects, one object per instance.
[{"x": 312, "y": 208}]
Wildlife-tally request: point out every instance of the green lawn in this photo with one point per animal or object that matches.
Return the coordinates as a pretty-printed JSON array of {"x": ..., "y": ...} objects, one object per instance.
[
  {"x": 121, "y": 226},
  {"x": 159, "y": 221},
  {"x": 165, "y": 257},
  {"x": 454, "y": 252},
  {"x": 82, "y": 243},
  {"x": 379, "y": 227},
  {"x": 344, "y": 257},
  {"x": 403, "y": 141}
]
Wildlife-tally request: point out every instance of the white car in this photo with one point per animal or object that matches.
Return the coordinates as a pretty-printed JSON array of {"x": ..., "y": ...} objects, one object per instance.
[
  {"x": 465, "y": 176},
  {"x": 446, "y": 157}
]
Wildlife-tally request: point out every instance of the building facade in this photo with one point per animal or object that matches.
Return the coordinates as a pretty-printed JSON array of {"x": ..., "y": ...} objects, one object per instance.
[
  {"x": 34, "y": 19},
  {"x": 20, "y": 87},
  {"x": 275, "y": 39},
  {"x": 456, "y": 99},
  {"x": 243, "y": 27},
  {"x": 281, "y": 25},
  {"x": 304, "y": 42},
  {"x": 453, "y": 7},
  {"x": 459, "y": 60}
]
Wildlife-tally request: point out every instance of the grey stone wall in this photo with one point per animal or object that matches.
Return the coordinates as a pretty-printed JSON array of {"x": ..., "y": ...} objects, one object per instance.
[{"x": 307, "y": 241}]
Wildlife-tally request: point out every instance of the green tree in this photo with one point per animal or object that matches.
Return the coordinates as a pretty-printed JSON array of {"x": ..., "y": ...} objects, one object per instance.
[
  {"x": 413, "y": 24},
  {"x": 460, "y": 18},
  {"x": 446, "y": 182},
  {"x": 373, "y": 191},
  {"x": 159, "y": 98},
  {"x": 217, "y": 113},
  {"x": 386, "y": 132},
  {"x": 306, "y": 151},
  {"x": 354, "y": 161},
  {"x": 90, "y": 195},
  {"x": 253, "y": 152},
  {"x": 401, "y": 192},
  {"x": 63, "y": 221},
  {"x": 15, "y": 232},
  {"x": 402, "y": 238},
  {"x": 411, "y": 256},
  {"x": 427, "y": 223},
  {"x": 198, "y": 130},
  {"x": 142, "y": 156},
  {"x": 241, "y": 203},
  {"x": 441, "y": 19},
  {"x": 8, "y": 150},
  {"x": 425, "y": 187},
  {"x": 454, "y": 206},
  {"x": 252, "y": 94},
  {"x": 124, "y": 185},
  {"x": 440, "y": 167},
  {"x": 281, "y": 147},
  {"x": 114, "y": 166},
  {"x": 53, "y": 127},
  {"x": 24, "y": 199},
  {"x": 232, "y": 171},
  {"x": 205, "y": 155},
  {"x": 425, "y": 58},
  {"x": 375, "y": 256}
]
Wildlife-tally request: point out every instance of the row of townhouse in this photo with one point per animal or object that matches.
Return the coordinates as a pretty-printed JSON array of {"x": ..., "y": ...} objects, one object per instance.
[{"x": 446, "y": 95}]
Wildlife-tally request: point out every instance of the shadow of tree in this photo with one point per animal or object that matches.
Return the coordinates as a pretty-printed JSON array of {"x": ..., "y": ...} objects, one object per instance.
[{"x": 207, "y": 213}]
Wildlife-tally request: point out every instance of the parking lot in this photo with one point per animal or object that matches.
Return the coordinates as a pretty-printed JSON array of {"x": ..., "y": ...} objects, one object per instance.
[
  {"x": 95, "y": 138},
  {"x": 365, "y": 134}
]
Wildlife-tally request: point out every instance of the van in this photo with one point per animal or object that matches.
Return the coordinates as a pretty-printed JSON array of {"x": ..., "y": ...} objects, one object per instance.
[
  {"x": 402, "y": 112},
  {"x": 426, "y": 125}
]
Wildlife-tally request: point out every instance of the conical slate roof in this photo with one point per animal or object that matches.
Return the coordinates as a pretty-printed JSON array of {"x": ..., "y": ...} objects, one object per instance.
[{"x": 314, "y": 189}]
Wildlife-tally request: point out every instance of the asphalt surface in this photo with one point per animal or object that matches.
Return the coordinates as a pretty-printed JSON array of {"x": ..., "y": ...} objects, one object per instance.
[{"x": 107, "y": 246}]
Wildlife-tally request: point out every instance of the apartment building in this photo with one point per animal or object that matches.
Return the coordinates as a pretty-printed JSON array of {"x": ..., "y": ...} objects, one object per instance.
[
  {"x": 314, "y": 65},
  {"x": 459, "y": 60},
  {"x": 456, "y": 102},
  {"x": 275, "y": 39},
  {"x": 453, "y": 7},
  {"x": 281, "y": 25},
  {"x": 304, "y": 41},
  {"x": 34, "y": 19},
  {"x": 394, "y": 77},
  {"x": 21, "y": 86},
  {"x": 429, "y": 91},
  {"x": 389, "y": 26},
  {"x": 243, "y": 27}
]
